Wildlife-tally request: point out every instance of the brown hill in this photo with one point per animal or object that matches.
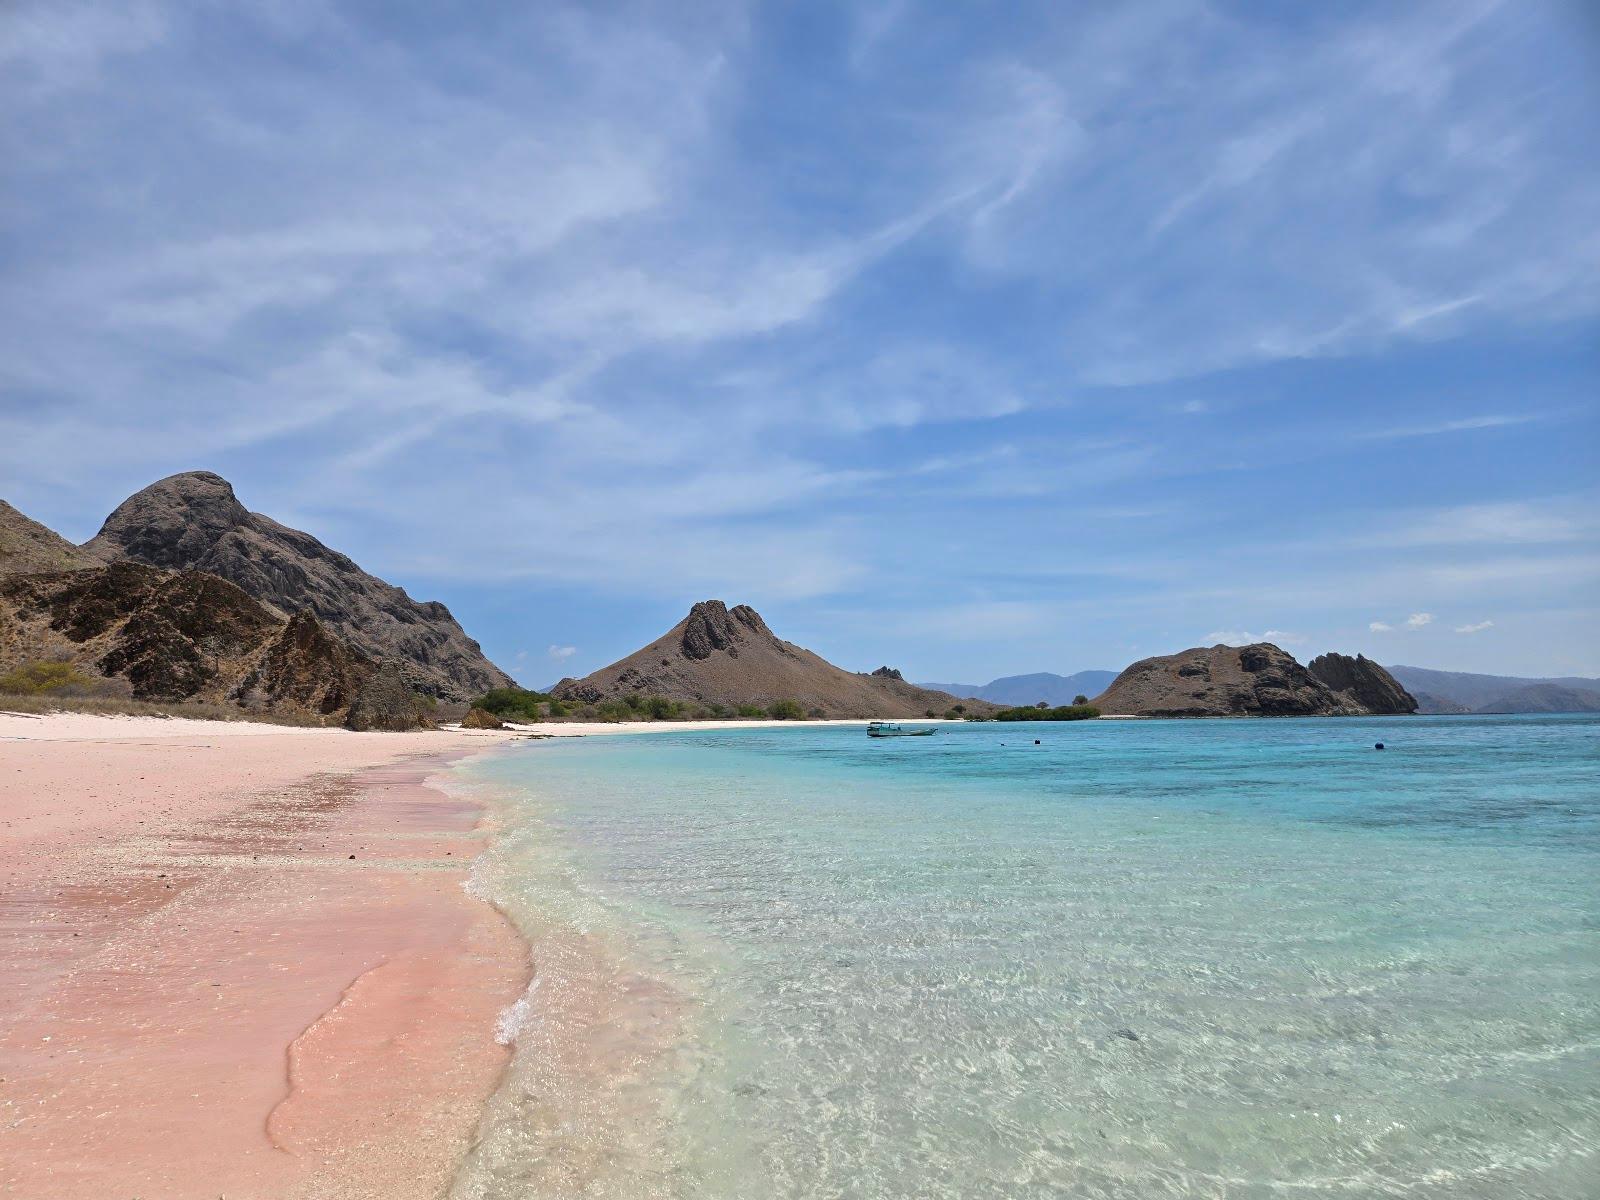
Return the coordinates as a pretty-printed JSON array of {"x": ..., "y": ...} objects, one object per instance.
[
  {"x": 194, "y": 521},
  {"x": 177, "y": 635},
  {"x": 1259, "y": 681},
  {"x": 718, "y": 655},
  {"x": 27, "y": 546},
  {"x": 1364, "y": 681}
]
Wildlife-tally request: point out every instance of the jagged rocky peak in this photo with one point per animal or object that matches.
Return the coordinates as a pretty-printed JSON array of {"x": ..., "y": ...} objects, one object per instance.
[
  {"x": 711, "y": 626},
  {"x": 195, "y": 521},
  {"x": 1363, "y": 681},
  {"x": 887, "y": 673}
]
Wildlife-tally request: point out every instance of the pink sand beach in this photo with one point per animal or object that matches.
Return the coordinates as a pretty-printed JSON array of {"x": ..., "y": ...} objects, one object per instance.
[{"x": 238, "y": 961}]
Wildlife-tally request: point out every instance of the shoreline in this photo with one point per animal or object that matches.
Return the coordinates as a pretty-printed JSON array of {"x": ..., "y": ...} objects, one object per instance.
[{"x": 241, "y": 960}]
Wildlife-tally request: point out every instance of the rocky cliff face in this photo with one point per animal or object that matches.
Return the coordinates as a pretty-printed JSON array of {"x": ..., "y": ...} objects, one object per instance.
[
  {"x": 307, "y": 667},
  {"x": 1223, "y": 681},
  {"x": 194, "y": 521},
  {"x": 718, "y": 655},
  {"x": 177, "y": 635},
  {"x": 1363, "y": 681}
]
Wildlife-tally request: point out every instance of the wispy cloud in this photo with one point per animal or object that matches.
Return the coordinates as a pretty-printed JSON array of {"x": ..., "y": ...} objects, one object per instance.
[
  {"x": 561, "y": 298},
  {"x": 1418, "y": 620},
  {"x": 561, "y": 653},
  {"x": 1460, "y": 425},
  {"x": 1380, "y": 627},
  {"x": 1548, "y": 520},
  {"x": 1476, "y": 627},
  {"x": 1328, "y": 171}
]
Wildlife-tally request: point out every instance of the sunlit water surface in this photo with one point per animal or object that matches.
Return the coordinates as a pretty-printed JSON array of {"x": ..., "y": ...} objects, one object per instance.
[{"x": 1140, "y": 959}]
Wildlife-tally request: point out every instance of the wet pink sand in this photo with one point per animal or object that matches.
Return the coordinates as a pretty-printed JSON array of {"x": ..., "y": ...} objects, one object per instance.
[{"x": 206, "y": 995}]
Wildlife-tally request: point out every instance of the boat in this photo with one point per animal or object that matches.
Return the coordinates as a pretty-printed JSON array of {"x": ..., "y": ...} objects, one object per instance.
[{"x": 890, "y": 729}]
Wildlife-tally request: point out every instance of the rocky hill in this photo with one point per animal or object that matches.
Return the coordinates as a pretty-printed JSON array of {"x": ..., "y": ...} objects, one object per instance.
[
  {"x": 27, "y": 546},
  {"x": 1364, "y": 681},
  {"x": 1258, "y": 681},
  {"x": 178, "y": 635},
  {"x": 193, "y": 521},
  {"x": 718, "y": 655}
]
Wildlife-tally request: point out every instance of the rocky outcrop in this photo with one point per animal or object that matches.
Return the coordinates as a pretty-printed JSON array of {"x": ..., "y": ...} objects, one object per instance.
[
  {"x": 1363, "y": 681},
  {"x": 177, "y": 635},
  {"x": 193, "y": 521},
  {"x": 729, "y": 657},
  {"x": 712, "y": 626},
  {"x": 1261, "y": 680},
  {"x": 28, "y": 548},
  {"x": 481, "y": 718},
  {"x": 386, "y": 703},
  {"x": 305, "y": 666}
]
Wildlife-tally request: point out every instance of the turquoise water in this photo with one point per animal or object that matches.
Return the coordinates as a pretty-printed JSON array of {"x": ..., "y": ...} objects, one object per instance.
[{"x": 1141, "y": 959}]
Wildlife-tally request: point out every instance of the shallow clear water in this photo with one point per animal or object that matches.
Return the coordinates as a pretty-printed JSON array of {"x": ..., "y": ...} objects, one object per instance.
[{"x": 1141, "y": 959}]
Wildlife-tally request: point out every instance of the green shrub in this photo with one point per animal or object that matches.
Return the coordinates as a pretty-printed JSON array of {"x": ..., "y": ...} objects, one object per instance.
[
  {"x": 513, "y": 702},
  {"x": 613, "y": 710},
  {"x": 785, "y": 710},
  {"x": 1067, "y": 712},
  {"x": 555, "y": 708},
  {"x": 37, "y": 679},
  {"x": 659, "y": 708},
  {"x": 751, "y": 710}
]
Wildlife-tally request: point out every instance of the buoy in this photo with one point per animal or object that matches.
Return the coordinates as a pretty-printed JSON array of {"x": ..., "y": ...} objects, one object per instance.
[
  {"x": 1035, "y": 741},
  {"x": 1377, "y": 745}
]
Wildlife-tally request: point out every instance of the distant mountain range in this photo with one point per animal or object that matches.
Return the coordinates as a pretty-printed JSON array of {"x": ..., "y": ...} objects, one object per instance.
[
  {"x": 1020, "y": 690},
  {"x": 1462, "y": 692}
]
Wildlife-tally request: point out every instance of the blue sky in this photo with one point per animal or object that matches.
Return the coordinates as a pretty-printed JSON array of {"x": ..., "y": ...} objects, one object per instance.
[{"x": 971, "y": 339}]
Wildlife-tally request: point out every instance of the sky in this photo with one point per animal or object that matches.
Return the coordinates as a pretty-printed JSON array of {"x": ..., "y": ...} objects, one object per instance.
[{"x": 970, "y": 339}]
